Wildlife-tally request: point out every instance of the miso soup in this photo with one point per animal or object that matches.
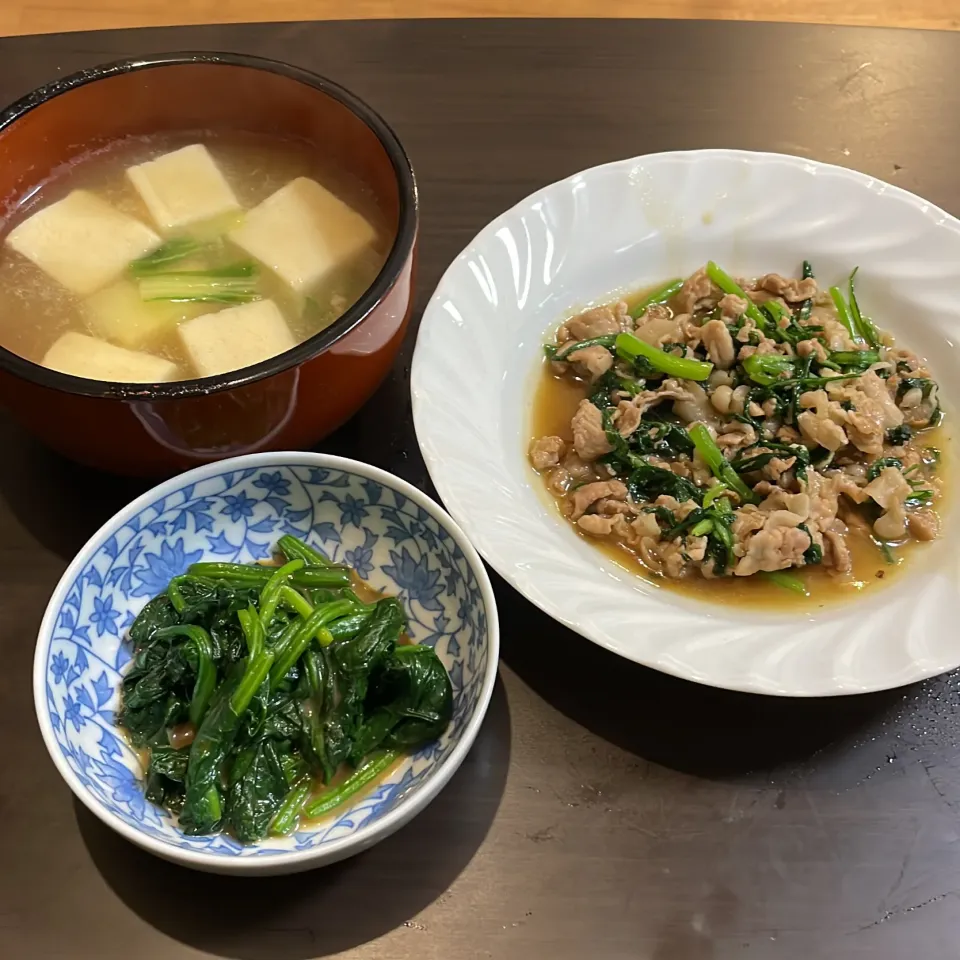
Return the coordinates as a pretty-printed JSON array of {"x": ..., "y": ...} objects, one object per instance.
[{"x": 182, "y": 256}]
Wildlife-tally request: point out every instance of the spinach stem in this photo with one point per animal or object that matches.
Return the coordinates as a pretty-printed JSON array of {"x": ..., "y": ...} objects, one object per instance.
[
  {"x": 174, "y": 594},
  {"x": 293, "y": 548},
  {"x": 297, "y": 642},
  {"x": 295, "y": 600},
  {"x": 214, "y": 804},
  {"x": 315, "y": 667},
  {"x": 342, "y": 627},
  {"x": 374, "y": 767},
  {"x": 660, "y": 295},
  {"x": 253, "y": 632},
  {"x": 717, "y": 490},
  {"x": 252, "y": 575},
  {"x": 843, "y": 313},
  {"x": 804, "y": 312},
  {"x": 287, "y": 816},
  {"x": 713, "y": 457},
  {"x": 787, "y": 581},
  {"x": 728, "y": 285},
  {"x": 767, "y": 369},
  {"x": 630, "y": 348},
  {"x": 607, "y": 340},
  {"x": 253, "y": 678},
  {"x": 863, "y": 325},
  {"x": 259, "y": 660},
  {"x": 855, "y": 358},
  {"x": 270, "y": 594},
  {"x": 812, "y": 383}
]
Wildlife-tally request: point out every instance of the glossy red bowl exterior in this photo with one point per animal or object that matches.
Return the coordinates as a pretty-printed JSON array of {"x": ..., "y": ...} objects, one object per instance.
[{"x": 288, "y": 402}]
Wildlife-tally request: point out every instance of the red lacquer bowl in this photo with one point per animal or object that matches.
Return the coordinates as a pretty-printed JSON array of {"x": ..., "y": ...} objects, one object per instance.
[{"x": 290, "y": 401}]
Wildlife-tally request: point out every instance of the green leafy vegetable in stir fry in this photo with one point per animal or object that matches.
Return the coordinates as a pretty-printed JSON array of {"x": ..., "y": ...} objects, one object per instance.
[
  {"x": 733, "y": 427},
  {"x": 252, "y": 687}
]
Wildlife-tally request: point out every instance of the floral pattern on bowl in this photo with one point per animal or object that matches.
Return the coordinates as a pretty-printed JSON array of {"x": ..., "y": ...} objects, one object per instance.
[{"x": 236, "y": 511}]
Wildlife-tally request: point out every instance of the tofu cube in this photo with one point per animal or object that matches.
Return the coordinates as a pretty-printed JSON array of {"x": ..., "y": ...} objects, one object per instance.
[
  {"x": 302, "y": 233},
  {"x": 236, "y": 337},
  {"x": 119, "y": 314},
  {"x": 183, "y": 188},
  {"x": 82, "y": 241},
  {"x": 85, "y": 356}
]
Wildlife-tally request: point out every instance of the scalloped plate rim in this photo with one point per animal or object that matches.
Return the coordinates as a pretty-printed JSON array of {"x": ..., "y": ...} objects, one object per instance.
[{"x": 520, "y": 581}]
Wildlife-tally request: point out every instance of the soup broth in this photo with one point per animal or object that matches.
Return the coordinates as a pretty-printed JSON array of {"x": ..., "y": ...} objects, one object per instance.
[{"x": 36, "y": 310}]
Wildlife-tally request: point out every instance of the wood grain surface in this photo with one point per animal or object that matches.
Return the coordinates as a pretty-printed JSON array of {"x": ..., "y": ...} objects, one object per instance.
[
  {"x": 606, "y": 811},
  {"x": 46, "y": 16}
]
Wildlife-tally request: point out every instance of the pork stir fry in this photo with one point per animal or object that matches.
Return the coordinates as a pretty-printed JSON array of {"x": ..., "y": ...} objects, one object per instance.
[{"x": 733, "y": 427}]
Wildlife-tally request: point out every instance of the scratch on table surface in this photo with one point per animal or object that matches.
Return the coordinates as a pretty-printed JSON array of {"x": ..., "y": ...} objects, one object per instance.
[
  {"x": 908, "y": 856},
  {"x": 541, "y": 836},
  {"x": 809, "y": 798},
  {"x": 851, "y": 77},
  {"x": 951, "y": 805},
  {"x": 901, "y": 911},
  {"x": 735, "y": 812}
]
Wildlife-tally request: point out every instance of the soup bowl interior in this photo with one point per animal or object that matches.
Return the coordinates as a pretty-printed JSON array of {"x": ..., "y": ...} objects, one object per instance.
[
  {"x": 394, "y": 537},
  {"x": 631, "y": 224},
  {"x": 288, "y": 401}
]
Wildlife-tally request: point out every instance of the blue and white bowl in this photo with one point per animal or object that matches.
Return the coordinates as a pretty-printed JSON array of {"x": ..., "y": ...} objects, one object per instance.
[{"x": 395, "y": 537}]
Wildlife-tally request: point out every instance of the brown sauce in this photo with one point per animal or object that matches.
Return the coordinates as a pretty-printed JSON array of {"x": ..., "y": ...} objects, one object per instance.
[
  {"x": 363, "y": 589},
  {"x": 182, "y": 735}
]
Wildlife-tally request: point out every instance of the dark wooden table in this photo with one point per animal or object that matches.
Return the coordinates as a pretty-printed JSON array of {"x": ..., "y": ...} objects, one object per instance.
[{"x": 606, "y": 810}]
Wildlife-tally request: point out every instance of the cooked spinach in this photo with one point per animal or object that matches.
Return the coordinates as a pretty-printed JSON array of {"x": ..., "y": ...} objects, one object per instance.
[
  {"x": 878, "y": 465},
  {"x": 854, "y": 359},
  {"x": 803, "y": 312},
  {"x": 647, "y": 482},
  {"x": 274, "y": 677},
  {"x": 898, "y": 436},
  {"x": 661, "y": 438},
  {"x": 926, "y": 387}
]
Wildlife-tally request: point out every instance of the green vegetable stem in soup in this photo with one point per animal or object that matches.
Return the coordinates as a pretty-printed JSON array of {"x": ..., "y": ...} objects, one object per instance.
[
  {"x": 261, "y": 696},
  {"x": 745, "y": 439},
  {"x": 181, "y": 256}
]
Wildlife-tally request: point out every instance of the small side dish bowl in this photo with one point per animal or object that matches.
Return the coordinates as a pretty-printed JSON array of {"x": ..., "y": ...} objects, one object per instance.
[
  {"x": 289, "y": 401},
  {"x": 394, "y": 537},
  {"x": 617, "y": 229}
]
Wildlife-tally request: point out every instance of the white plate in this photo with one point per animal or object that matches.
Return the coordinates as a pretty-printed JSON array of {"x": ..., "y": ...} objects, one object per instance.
[{"x": 636, "y": 222}]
